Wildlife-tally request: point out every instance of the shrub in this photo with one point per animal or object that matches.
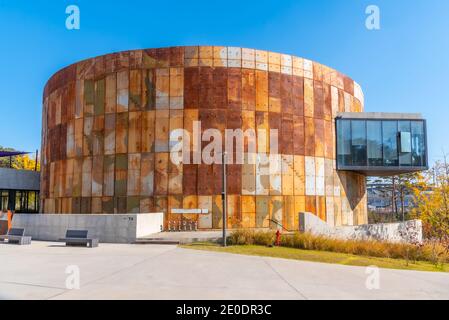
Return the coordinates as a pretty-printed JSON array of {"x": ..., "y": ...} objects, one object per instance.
[{"x": 433, "y": 252}]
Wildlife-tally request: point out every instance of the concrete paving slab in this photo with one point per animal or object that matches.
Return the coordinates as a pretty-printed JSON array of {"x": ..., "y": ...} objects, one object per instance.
[{"x": 122, "y": 271}]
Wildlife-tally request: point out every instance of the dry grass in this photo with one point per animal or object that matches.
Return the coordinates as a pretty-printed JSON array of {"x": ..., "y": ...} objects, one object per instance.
[{"x": 431, "y": 252}]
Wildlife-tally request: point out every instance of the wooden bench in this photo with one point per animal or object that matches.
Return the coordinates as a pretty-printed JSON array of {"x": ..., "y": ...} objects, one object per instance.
[
  {"x": 16, "y": 236},
  {"x": 79, "y": 238}
]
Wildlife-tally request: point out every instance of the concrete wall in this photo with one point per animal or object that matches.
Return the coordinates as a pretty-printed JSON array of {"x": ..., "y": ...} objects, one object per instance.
[
  {"x": 12, "y": 179},
  {"x": 409, "y": 231},
  {"x": 110, "y": 228}
]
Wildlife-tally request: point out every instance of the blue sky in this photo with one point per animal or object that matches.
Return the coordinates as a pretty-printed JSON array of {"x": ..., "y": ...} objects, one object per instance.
[{"x": 404, "y": 67}]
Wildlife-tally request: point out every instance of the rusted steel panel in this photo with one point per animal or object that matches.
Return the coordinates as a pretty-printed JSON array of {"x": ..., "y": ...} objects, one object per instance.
[
  {"x": 147, "y": 174},
  {"x": 348, "y": 85},
  {"x": 308, "y": 69},
  {"x": 205, "y": 220},
  {"x": 299, "y": 176},
  {"x": 97, "y": 177},
  {"x": 176, "y": 56},
  {"x": 206, "y": 89},
  {"x": 287, "y": 175},
  {"x": 161, "y": 173},
  {"x": 308, "y": 98},
  {"x": 135, "y": 132},
  {"x": 99, "y": 105},
  {"x": 320, "y": 181},
  {"x": 263, "y": 131},
  {"x": 300, "y": 206},
  {"x": 248, "y": 90},
  {"x": 310, "y": 171},
  {"x": 149, "y": 89},
  {"x": 70, "y": 139},
  {"x": 234, "y": 57},
  {"x": 311, "y": 204},
  {"x": 121, "y": 133},
  {"x": 190, "y": 179},
  {"x": 175, "y": 178},
  {"x": 204, "y": 183},
  {"x": 327, "y": 102},
  {"x": 162, "y": 124},
  {"x": 262, "y": 91},
  {"x": 321, "y": 207},
  {"x": 286, "y": 136},
  {"x": 329, "y": 177},
  {"x": 220, "y": 57},
  {"x": 217, "y": 212},
  {"x": 262, "y": 174},
  {"x": 206, "y": 54},
  {"x": 337, "y": 212},
  {"x": 135, "y": 58},
  {"x": 248, "y": 210},
  {"x": 309, "y": 136},
  {"x": 148, "y": 133},
  {"x": 261, "y": 60},
  {"x": 98, "y": 136},
  {"x": 174, "y": 202},
  {"x": 108, "y": 175},
  {"x": 234, "y": 89},
  {"x": 234, "y": 178},
  {"x": 220, "y": 88},
  {"x": 162, "y": 88},
  {"x": 274, "y": 62},
  {"x": 87, "y": 136},
  {"x": 122, "y": 60},
  {"x": 190, "y": 202},
  {"x": 146, "y": 204},
  {"x": 275, "y": 174},
  {"x": 132, "y": 204},
  {"x": 274, "y": 91},
  {"x": 286, "y": 94},
  {"x": 77, "y": 177},
  {"x": 233, "y": 211},
  {"x": 109, "y": 133},
  {"x": 96, "y": 205},
  {"x": 319, "y": 138},
  {"x": 276, "y": 209},
  {"x": 317, "y": 71},
  {"x": 135, "y": 90},
  {"x": 111, "y": 93},
  {"x": 68, "y": 183},
  {"x": 318, "y": 95},
  {"x": 86, "y": 205},
  {"x": 191, "y": 88},
  {"x": 121, "y": 177},
  {"x": 329, "y": 139},
  {"x": 89, "y": 99},
  {"x": 298, "y": 135},
  {"x": 288, "y": 213},
  {"x": 176, "y": 122},
  {"x": 176, "y": 88},
  {"x": 161, "y": 205},
  {"x": 191, "y": 56},
  {"x": 133, "y": 184},
  {"x": 262, "y": 211},
  {"x": 249, "y": 174},
  {"x": 122, "y": 91},
  {"x": 87, "y": 177}
]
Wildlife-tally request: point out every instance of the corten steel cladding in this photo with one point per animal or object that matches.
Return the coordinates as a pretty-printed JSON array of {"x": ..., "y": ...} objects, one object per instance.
[{"x": 107, "y": 123}]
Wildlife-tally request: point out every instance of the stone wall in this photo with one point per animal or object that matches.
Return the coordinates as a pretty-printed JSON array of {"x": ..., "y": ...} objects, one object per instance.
[
  {"x": 117, "y": 228},
  {"x": 409, "y": 231}
]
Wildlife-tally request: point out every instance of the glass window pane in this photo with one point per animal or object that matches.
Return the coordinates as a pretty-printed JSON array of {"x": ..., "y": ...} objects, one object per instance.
[
  {"x": 358, "y": 143},
  {"x": 418, "y": 144},
  {"x": 374, "y": 137},
  {"x": 390, "y": 143},
  {"x": 405, "y": 156},
  {"x": 344, "y": 142}
]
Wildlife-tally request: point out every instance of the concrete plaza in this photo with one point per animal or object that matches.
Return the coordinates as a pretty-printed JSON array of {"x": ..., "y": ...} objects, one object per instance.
[{"x": 121, "y": 271}]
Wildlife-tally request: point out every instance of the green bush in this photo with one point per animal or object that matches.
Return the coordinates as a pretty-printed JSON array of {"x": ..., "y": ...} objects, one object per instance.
[{"x": 432, "y": 252}]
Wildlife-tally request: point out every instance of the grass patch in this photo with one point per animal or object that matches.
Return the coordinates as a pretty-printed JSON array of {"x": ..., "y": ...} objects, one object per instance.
[{"x": 320, "y": 256}]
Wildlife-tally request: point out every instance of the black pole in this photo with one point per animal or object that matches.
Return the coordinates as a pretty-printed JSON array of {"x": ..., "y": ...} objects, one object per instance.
[
  {"x": 223, "y": 197},
  {"x": 35, "y": 163}
]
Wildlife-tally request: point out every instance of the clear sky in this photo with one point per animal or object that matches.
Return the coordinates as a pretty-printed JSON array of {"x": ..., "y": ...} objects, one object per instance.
[{"x": 403, "y": 67}]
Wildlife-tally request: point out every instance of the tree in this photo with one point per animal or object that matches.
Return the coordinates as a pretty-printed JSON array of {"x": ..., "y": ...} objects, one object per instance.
[
  {"x": 24, "y": 162},
  {"x": 431, "y": 196}
]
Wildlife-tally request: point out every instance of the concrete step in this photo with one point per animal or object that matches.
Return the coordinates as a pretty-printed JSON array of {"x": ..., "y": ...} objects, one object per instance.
[{"x": 156, "y": 241}]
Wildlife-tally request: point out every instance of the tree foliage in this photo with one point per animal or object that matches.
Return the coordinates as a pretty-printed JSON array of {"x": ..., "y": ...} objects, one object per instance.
[{"x": 24, "y": 162}]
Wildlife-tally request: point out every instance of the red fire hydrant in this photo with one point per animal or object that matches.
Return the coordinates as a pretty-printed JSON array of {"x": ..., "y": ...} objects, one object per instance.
[{"x": 278, "y": 238}]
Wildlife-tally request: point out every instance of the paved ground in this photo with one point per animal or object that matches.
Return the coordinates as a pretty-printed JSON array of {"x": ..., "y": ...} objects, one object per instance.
[{"x": 168, "y": 272}]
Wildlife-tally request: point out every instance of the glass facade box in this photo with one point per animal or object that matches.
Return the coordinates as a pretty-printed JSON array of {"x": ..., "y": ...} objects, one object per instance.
[{"x": 381, "y": 144}]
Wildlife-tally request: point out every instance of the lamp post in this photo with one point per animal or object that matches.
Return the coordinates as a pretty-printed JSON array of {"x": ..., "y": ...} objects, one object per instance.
[{"x": 223, "y": 196}]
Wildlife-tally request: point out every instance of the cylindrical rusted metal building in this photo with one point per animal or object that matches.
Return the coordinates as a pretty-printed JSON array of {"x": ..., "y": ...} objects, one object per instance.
[{"x": 107, "y": 123}]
